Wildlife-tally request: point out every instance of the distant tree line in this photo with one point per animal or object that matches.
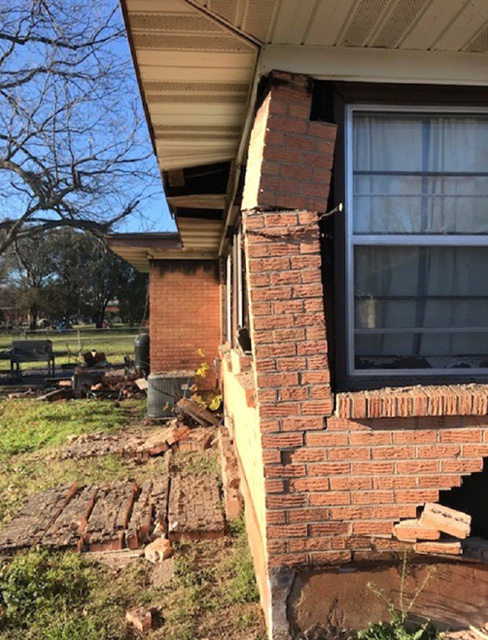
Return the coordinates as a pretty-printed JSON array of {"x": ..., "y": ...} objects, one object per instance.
[{"x": 67, "y": 274}]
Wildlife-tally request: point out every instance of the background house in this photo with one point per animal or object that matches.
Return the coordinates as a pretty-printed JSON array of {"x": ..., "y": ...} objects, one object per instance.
[{"x": 364, "y": 397}]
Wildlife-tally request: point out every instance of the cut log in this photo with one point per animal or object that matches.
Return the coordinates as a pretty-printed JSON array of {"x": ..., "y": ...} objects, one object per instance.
[{"x": 196, "y": 412}]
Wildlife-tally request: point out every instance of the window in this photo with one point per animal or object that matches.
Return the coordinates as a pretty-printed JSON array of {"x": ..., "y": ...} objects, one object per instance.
[
  {"x": 416, "y": 249},
  {"x": 236, "y": 306}
]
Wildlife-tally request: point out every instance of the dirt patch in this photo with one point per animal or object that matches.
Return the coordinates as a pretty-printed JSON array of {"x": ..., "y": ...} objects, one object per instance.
[{"x": 327, "y": 632}]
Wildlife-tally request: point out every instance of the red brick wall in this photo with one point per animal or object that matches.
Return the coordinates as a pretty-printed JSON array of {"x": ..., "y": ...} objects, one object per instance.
[
  {"x": 184, "y": 314},
  {"x": 335, "y": 482},
  {"x": 290, "y": 158},
  {"x": 346, "y": 485}
]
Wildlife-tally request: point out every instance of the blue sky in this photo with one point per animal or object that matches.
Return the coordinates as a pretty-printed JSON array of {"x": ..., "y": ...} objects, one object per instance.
[
  {"x": 154, "y": 215},
  {"x": 81, "y": 121}
]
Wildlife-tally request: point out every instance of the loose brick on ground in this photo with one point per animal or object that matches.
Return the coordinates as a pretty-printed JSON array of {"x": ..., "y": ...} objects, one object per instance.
[
  {"x": 140, "y": 619},
  {"x": 139, "y": 528},
  {"x": 158, "y": 550},
  {"x": 66, "y": 530},
  {"x": 197, "y": 439},
  {"x": 36, "y": 516},
  {"x": 160, "y": 500},
  {"x": 140, "y": 444},
  {"x": 194, "y": 507},
  {"x": 110, "y": 517}
]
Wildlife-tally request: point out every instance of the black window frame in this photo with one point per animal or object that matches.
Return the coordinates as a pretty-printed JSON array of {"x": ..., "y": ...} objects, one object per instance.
[{"x": 342, "y": 94}]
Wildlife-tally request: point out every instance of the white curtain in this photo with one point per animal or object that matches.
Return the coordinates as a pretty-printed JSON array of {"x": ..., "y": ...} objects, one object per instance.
[{"x": 421, "y": 287}]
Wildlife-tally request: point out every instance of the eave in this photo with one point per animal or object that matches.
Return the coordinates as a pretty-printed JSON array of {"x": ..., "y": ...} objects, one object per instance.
[{"x": 199, "y": 62}]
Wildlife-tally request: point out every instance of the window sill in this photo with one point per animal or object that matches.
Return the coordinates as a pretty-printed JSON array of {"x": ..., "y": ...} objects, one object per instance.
[{"x": 414, "y": 402}]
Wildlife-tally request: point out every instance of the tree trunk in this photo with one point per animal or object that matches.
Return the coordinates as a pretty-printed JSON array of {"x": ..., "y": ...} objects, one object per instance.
[{"x": 33, "y": 317}]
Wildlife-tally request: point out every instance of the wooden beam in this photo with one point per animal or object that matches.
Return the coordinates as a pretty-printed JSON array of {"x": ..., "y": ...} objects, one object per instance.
[{"x": 378, "y": 65}]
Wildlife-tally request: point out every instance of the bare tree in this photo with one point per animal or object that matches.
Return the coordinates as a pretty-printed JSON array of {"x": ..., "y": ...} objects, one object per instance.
[{"x": 72, "y": 147}]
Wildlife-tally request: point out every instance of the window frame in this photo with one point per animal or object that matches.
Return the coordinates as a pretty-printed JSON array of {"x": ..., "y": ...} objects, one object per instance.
[{"x": 351, "y": 240}]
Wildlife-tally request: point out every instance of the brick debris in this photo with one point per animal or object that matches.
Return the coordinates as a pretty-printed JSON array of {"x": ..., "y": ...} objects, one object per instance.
[
  {"x": 195, "y": 511},
  {"x": 119, "y": 515}
]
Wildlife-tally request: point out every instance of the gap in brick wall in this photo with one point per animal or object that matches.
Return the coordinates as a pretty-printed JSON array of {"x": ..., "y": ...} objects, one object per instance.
[{"x": 472, "y": 498}]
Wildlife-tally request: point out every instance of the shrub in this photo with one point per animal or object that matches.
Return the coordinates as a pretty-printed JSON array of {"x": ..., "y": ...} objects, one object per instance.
[{"x": 397, "y": 629}]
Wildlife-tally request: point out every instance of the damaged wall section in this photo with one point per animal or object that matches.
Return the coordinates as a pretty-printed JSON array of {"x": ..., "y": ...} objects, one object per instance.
[{"x": 335, "y": 482}]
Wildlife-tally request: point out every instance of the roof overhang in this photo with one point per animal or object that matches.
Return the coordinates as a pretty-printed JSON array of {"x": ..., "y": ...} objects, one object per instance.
[
  {"x": 139, "y": 248},
  {"x": 199, "y": 63}
]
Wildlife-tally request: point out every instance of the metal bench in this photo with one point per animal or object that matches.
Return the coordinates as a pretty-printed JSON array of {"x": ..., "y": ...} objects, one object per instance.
[{"x": 31, "y": 351}]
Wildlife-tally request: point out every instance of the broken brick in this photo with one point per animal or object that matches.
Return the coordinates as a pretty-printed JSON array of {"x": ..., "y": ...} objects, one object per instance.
[
  {"x": 449, "y": 546},
  {"x": 110, "y": 517},
  {"x": 158, "y": 550},
  {"x": 412, "y": 530},
  {"x": 36, "y": 516},
  {"x": 196, "y": 440},
  {"x": 447, "y": 520},
  {"x": 140, "y": 619},
  {"x": 194, "y": 508},
  {"x": 66, "y": 530},
  {"x": 139, "y": 527}
]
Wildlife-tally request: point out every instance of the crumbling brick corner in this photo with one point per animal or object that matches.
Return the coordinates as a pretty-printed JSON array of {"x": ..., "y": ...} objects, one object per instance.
[
  {"x": 340, "y": 470},
  {"x": 286, "y": 190}
]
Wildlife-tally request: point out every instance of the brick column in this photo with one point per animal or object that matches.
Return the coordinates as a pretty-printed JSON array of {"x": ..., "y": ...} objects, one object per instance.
[
  {"x": 184, "y": 314},
  {"x": 286, "y": 188}
]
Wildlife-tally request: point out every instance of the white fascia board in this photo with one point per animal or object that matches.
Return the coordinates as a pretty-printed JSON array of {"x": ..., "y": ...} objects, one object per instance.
[{"x": 378, "y": 65}]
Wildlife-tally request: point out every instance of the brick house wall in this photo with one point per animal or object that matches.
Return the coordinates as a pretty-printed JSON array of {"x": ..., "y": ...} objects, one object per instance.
[
  {"x": 339, "y": 469},
  {"x": 185, "y": 314}
]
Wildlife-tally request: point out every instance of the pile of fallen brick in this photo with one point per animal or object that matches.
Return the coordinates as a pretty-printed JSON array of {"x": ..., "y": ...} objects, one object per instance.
[
  {"x": 137, "y": 445},
  {"x": 110, "y": 384},
  {"x": 118, "y": 516},
  {"x": 438, "y": 530},
  {"x": 184, "y": 433},
  {"x": 233, "y": 501}
]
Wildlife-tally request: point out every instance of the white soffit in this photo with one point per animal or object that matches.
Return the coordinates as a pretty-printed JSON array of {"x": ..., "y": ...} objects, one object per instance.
[
  {"x": 199, "y": 235},
  {"x": 196, "y": 58},
  {"x": 424, "y": 25},
  {"x": 196, "y": 75}
]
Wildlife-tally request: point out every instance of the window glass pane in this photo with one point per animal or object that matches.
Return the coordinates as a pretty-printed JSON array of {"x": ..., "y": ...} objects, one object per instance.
[
  {"x": 415, "y": 304},
  {"x": 420, "y": 173},
  {"x": 397, "y": 351}
]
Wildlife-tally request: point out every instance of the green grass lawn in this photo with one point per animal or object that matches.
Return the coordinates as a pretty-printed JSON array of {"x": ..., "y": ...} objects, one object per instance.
[
  {"x": 68, "y": 346},
  {"x": 64, "y": 596},
  {"x": 30, "y": 430}
]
